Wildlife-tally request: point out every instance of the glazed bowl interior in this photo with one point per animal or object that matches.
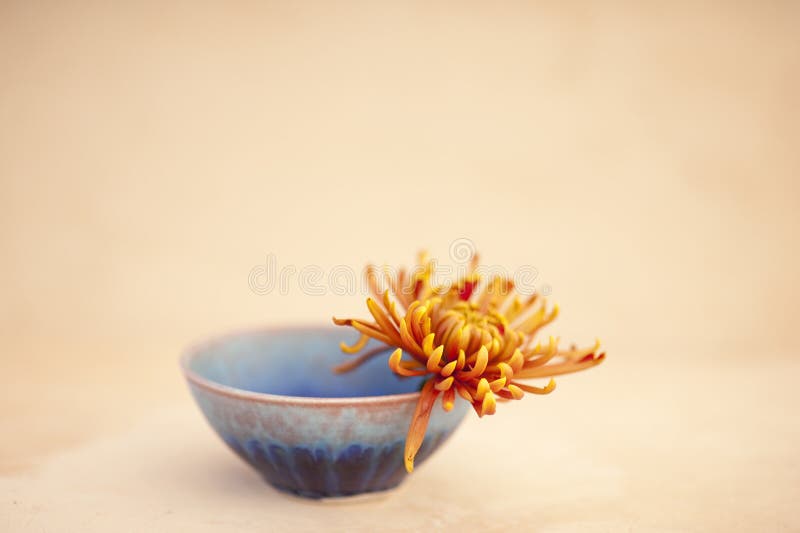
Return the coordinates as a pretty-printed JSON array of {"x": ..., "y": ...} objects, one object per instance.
[{"x": 258, "y": 363}]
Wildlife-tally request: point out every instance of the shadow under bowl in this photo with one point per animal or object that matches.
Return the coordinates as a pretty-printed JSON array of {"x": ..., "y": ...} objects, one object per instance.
[{"x": 272, "y": 397}]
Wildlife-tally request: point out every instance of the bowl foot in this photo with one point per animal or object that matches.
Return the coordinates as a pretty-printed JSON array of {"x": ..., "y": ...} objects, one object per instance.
[{"x": 325, "y": 497}]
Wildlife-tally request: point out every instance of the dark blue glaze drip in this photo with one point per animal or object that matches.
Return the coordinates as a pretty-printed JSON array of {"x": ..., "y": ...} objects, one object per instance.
[
  {"x": 312, "y": 471},
  {"x": 352, "y": 467},
  {"x": 317, "y": 473}
]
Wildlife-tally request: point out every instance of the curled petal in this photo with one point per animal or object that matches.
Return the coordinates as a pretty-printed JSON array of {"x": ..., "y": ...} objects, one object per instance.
[
  {"x": 416, "y": 316},
  {"x": 479, "y": 366},
  {"x": 449, "y": 399},
  {"x": 370, "y": 330},
  {"x": 434, "y": 359},
  {"x": 517, "y": 360},
  {"x": 561, "y": 368},
  {"x": 419, "y": 423},
  {"x": 461, "y": 361},
  {"x": 449, "y": 368},
  {"x": 497, "y": 384},
  {"x": 387, "y": 327},
  {"x": 538, "y": 361},
  {"x": 511, "y": 341},
  {"x": 397, "y": 367},
  {"x": 547, "y": 389},
  {"x": 427, "y": 344},
  {"x": 445, "y": 384},
  {"x": 505, "y": 370},
  {"x": 412, "y": 316},
  {"x": 342, "y": 321},
  {"x": 483, "y": 389},
  {"x": 495, "y": 349},
  {"x": 410, "y": 342},
  {"x": 447, "y": 326},
  {"x": 357, "y": 347},
  {"x": 426, "y": 326},
  {"x": 547, "y": 355},
  {"x": 453, "y": 342},
  {"x": 388, "y": 304},
  {"x": 516, "y": 392},
  {"x": 466, "y": 334},
  {"x": 488, "y": 405}
]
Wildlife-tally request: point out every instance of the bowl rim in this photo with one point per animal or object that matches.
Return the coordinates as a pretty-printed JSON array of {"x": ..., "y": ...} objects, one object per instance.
[{"x": 264, "y": 397}]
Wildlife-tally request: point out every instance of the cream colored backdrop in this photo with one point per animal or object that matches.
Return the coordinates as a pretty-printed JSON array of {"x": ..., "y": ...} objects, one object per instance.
[{"x": 644, "y": 160}]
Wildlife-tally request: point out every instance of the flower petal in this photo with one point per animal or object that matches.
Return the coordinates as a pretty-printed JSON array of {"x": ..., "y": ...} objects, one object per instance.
[
  {"x": 444, "y": 384},
  {"x": 483, "y": 389},
  {"x": 449, "y": 368},
  {"x": 409, "y": 341},
  {"x": 434, "y": 359},
  {"x": 449, "y": 399},
  {"x": 398, "y": 368},
  {"x": 557, "y": 370},
  {"x": 479, "y": 366},
  {"x": 361, "y": 359},
  {"x": 461, "y": 361},
  {"x": 464, "y": 392},
  {"x": 385, "y": 323},
  {"x": 515, "y": 391},
  {"x": 419, "y": 423},
  {"x": 547, "y": 389},
  {"x": 427, "y": 344},
  {"x": 357, "y": 347},
  {"x": 489, "y": 405}
]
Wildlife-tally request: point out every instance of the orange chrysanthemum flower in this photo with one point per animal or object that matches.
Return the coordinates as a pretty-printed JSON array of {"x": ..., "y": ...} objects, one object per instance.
[{"x": 474, "y": 341}]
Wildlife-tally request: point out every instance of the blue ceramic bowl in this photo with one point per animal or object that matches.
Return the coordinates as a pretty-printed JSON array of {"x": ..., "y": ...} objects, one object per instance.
[{"x": 273, "y": 399}]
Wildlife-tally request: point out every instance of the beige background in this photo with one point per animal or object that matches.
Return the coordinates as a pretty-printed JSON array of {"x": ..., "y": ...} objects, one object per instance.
[{"x": 644, "y": 160}]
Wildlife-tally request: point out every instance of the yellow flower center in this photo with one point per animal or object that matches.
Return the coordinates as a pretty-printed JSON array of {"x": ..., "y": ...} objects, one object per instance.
[{"x": 481, "y": 327}]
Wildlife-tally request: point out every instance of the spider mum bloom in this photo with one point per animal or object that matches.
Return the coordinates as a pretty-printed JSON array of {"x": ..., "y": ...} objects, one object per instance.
[{"x": 477, "y": 340}]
